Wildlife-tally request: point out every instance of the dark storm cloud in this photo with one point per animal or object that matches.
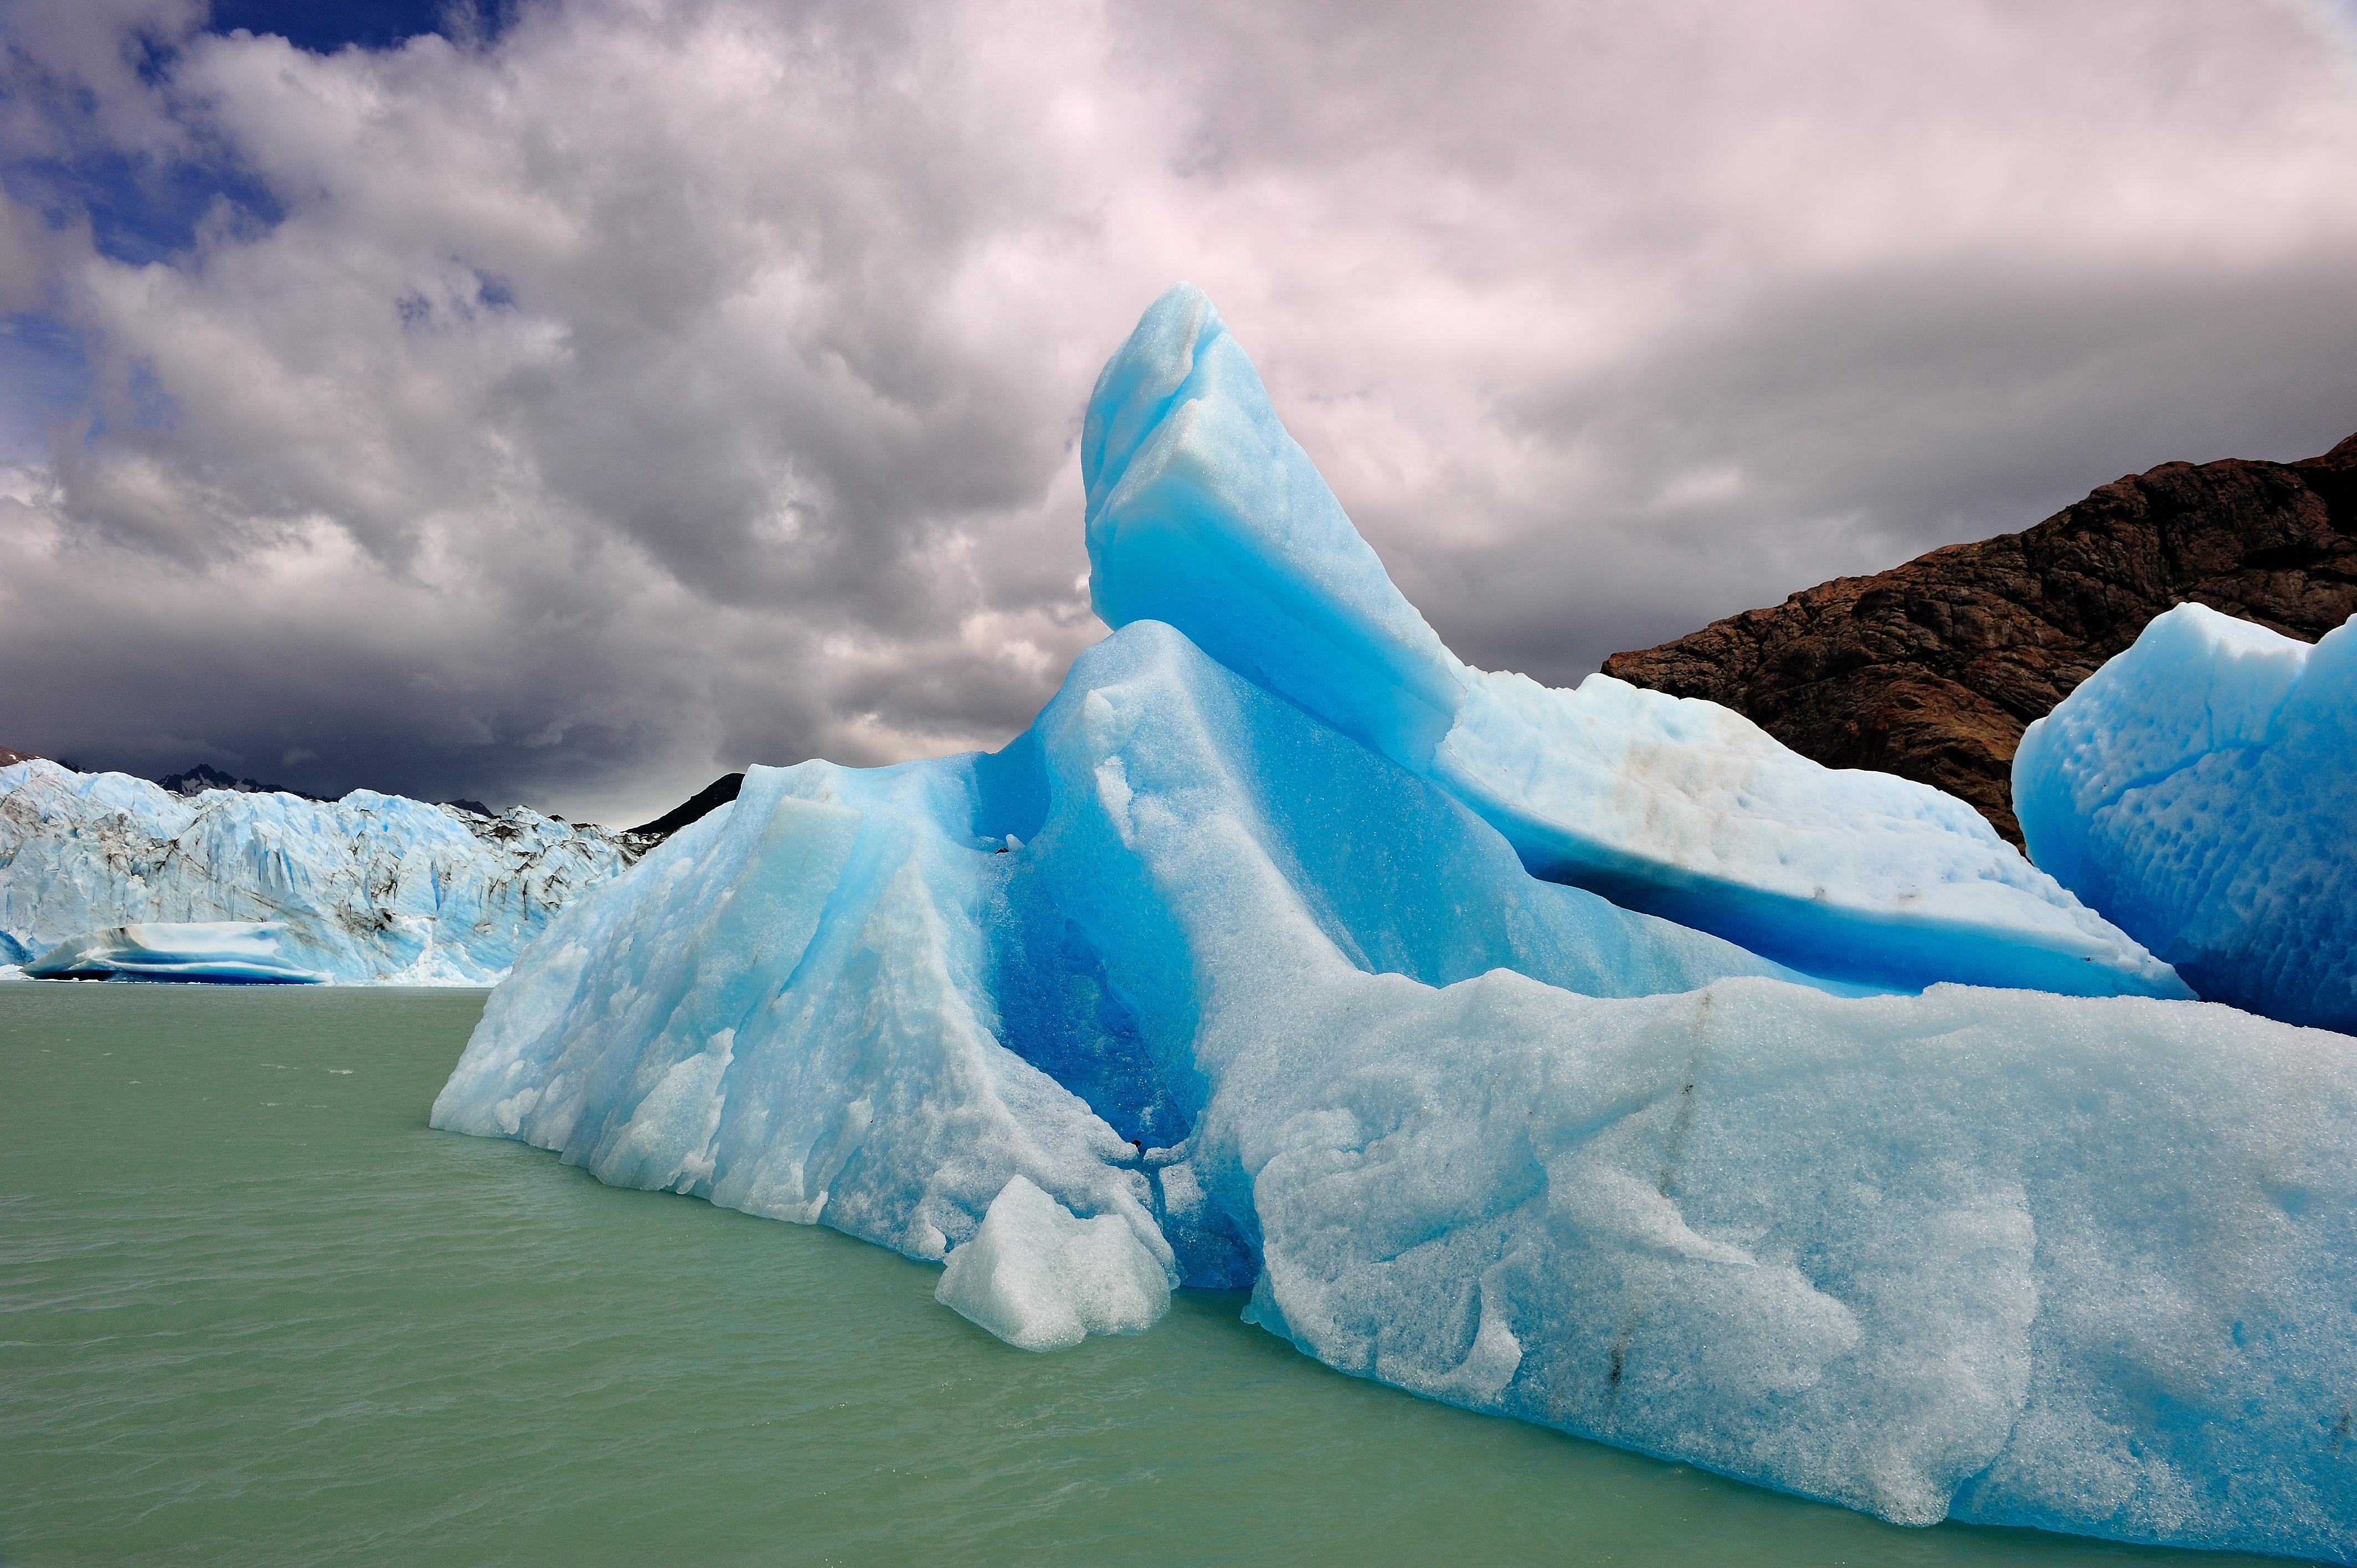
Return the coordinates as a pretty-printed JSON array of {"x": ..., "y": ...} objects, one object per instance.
[
  {"x": 576, "y": 405},
  {"x": 1846, "y": 428}
]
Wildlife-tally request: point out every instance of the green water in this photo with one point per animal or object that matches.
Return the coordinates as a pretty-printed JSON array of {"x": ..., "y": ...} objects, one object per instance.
[{"x": 253, "y": 1311}]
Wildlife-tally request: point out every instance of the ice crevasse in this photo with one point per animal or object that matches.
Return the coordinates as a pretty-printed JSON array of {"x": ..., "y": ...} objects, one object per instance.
[
  {"x": 1232, "y": 971},
  {"x": 2201, "y": 789}
]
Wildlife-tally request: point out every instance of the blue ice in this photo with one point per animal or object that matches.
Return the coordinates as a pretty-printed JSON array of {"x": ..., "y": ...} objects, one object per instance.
[
  {"x": 232, "y": 952},
  {"x": 2199, "y": 790}
]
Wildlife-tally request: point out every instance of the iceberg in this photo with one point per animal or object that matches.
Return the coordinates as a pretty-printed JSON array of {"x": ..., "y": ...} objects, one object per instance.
[
  {"x": 369, "y": 889},
  {"x": 2199, "y": 790},
  {"x": 875, "y": 996},
  {"x": 1212, "y": 978},
  {"x": 230, "y": 952}
]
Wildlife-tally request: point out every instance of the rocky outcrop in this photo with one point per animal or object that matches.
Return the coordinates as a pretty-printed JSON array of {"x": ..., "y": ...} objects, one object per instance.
[
  {"x": 694, "y": 808},
  {"x": 1931, "y": 669}
]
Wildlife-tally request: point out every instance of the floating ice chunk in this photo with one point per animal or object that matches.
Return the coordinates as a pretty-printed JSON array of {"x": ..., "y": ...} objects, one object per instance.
[
  {"x": 1204, "y": 513},
  {"x": 2201, "y": 789},
  {"x": 230, "y": 953},
  {"x": 369, "y": 888},
  {"x": 1042, "y": 1279},
  {"x": 780, "y": 1010}
]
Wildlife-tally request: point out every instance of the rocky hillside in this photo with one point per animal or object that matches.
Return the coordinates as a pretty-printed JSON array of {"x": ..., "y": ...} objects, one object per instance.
[
  {"x": 694, "y": 808},
  {"x": 1931, "y": 669}
]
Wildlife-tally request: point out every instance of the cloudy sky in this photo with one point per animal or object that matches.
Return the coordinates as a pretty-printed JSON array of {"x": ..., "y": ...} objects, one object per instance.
[{"x": 565, "y": 400}]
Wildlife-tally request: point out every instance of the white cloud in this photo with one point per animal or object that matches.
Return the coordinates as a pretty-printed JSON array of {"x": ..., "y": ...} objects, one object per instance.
[{"x": 666, "y": 386}]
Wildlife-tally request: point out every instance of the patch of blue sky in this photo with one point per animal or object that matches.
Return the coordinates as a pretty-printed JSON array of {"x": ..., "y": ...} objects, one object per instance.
[
  {"x": 420, "y": 314},
  {"x": 325, "y": 28},
  {"x": 140, "y": 209},
  {"x": 143, "y": 210}
]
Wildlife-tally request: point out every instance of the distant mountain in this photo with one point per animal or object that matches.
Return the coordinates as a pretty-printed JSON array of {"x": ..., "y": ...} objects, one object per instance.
[
  {"x": 7, "y": 756},
  {"x": 202, "y": 776},
  {"x": 476, "y": 806},
  {"x": 703, "y": 803},
  {"x": 1933, "y": 669}
]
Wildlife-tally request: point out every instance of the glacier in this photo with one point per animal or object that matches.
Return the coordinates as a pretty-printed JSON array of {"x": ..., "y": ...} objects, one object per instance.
[
  {"x": 369, "y": 889},
  {"x": 2198, "y": 790},
  {"x": 1232, "y": 972}
]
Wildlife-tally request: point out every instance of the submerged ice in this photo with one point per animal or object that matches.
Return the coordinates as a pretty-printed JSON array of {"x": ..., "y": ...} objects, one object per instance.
[
  {"x": 368, "y": 888},
  {"x": 1224, "y": 973},
  {"x": 2199, "y": 790}
]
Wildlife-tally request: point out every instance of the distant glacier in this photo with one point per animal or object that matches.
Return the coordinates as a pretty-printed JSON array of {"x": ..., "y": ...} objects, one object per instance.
[{"x": 224, "y": 884}]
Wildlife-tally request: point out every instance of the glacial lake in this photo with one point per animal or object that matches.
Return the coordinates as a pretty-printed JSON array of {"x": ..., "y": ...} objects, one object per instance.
[{"x": 257, "y": 1312}]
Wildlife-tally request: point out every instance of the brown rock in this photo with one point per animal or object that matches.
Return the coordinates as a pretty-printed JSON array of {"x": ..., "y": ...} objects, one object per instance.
[{"x": 1933, "y": 669}]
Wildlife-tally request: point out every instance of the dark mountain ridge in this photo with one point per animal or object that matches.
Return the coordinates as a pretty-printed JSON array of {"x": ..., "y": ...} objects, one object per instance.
[
  {"x": 1933, "y": 669},
  {"x": 203, "y": 777},
  {"x": 695, "y": 808}
]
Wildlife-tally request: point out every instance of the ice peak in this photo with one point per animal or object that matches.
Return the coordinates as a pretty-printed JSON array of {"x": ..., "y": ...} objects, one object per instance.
[{"x": 1205, "y": 513}]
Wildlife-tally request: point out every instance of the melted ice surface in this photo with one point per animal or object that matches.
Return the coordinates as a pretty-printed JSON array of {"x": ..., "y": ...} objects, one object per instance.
[{"x": 2199, "y": 790}]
